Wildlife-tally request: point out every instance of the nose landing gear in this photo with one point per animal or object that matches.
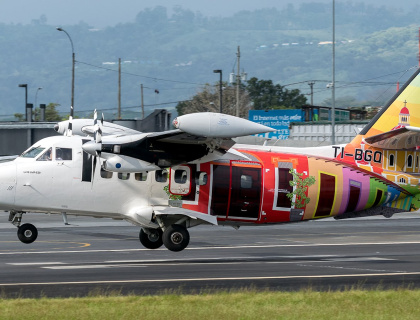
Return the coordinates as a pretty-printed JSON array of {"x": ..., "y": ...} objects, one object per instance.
[{"x": 27, "y": 233}]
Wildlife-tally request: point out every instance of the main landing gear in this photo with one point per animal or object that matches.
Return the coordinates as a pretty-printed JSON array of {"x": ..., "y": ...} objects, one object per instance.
[
  {"x": 175, "y": 238},
  {"x": 27, "y": 233}
]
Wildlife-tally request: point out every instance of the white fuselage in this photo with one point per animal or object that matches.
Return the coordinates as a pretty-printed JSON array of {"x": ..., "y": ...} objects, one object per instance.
[{"x": 57, "y": 185}]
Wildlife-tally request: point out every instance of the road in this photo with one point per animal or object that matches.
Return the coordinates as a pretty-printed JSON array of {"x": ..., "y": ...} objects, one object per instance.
[{"x": 102, "y": 256}]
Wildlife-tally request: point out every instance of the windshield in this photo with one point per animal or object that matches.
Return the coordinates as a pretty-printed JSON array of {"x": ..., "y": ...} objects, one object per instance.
[{"x": 32, "y": 152}]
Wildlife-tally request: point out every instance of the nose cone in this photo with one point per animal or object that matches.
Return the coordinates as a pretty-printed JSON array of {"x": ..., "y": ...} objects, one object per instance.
[
  {"x": 92, "y": 147},
  {"x": 7, "y": 185}
]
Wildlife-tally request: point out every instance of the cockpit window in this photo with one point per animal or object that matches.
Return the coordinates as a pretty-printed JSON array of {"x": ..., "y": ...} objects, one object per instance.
[
  {"x": 47, "y": 156},
  {"x": 33, "y": 152}
]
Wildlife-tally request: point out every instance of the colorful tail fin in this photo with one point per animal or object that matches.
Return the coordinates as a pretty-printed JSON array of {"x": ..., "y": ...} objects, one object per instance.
[{"x": 402, "y": 110}]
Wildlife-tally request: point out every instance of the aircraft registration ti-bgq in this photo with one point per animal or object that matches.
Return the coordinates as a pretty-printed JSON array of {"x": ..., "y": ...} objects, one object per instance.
[{"x": 100, "y": 169}]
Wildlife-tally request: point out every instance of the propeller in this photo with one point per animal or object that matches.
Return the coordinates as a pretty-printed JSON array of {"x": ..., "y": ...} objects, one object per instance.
[{"x": 97, "y": 136}]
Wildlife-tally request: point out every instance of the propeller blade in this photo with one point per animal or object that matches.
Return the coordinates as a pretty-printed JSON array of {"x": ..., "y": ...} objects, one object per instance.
[
  {"x": 97, "y": 127},
  {"x": 95, "y": 148},
  {"x": 93, "y": 170},
  {"x": 70, "y": 126}
]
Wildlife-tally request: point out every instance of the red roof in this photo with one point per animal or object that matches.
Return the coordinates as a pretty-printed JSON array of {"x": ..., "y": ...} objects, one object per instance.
[{"x": 405, "y": 111}]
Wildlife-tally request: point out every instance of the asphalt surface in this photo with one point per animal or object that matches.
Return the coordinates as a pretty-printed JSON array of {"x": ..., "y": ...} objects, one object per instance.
[{"x": 92, "y": 256}]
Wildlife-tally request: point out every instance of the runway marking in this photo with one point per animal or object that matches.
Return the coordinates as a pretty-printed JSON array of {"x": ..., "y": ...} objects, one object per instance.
[
  {"x": 218, "y": 261},
  {"x": 215, "y": 259},
  {"x": 33, "y": 263},
  {"x": 88, "y": 266},
  {"x": 386, "y": 274},
  {"x": 298, "y": 259},
  {"x": 348, "y": 268},
  {"x": 220, "y": 247},
  {"x": 360, "y": 259}
]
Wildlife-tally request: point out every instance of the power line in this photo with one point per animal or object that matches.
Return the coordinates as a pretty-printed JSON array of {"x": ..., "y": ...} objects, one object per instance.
[{"x": 139, "y": 75}]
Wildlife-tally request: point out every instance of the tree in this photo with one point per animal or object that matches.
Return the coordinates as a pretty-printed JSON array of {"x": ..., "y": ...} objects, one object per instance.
[
  {"x": 300, "y": 187},
  {"x": 207, "y": 100},
  {"x": 51, "y": 113},
  {"x": 266, "y": 95},
  {"x": 19, "y": 116}
]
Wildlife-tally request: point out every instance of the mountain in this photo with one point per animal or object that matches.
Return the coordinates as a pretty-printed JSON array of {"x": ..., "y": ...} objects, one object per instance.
[{"x": 175, "y": 54}]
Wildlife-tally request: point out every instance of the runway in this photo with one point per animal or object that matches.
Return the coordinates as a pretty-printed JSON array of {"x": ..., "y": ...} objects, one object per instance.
[{"x": 102, "y": 256}]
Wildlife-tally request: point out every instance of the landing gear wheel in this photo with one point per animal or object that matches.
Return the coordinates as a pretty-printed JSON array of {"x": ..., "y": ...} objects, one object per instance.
[
  {"x": 176, "y": 237},
  {"x": 27, "y": 233},
  {"x": 153, "y": 240}
]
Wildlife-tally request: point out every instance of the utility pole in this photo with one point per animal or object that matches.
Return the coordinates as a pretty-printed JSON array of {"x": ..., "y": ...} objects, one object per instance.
[
  {"x": 142, "y": 101},
  {"x": 311, "y": 84},
  {"x": 333, "y": 79},
  {"x": 220, "y": 90},
  {"x": 25, "y": 85},
  {"x": 238, "y": 81},
  {"x": 119, "y": 88},
  {"x": 73, "y": 60}
]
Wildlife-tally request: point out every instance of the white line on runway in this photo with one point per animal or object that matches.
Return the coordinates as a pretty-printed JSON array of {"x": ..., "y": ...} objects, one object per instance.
[
  {"x": 358, "y": 259},
  {"x": 33, "y": 263},
  {"x": 222, "y": 247},
  {"x": 230, "y": 258},
  {"x": 387, "y": 274},
  {"x": 89, "y": 266},
  {"x": 214, "y": 261}
]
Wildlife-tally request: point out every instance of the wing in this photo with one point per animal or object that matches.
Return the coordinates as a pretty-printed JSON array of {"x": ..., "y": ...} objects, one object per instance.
[{"x": 199, "y": 137}]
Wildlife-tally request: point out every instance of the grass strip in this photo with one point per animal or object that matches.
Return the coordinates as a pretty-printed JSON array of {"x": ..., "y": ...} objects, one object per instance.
[{"x": 245, "y": 304}]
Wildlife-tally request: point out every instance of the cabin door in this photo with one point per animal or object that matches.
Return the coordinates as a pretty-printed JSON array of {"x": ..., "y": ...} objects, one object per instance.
[{"x": 236, "y": 190}]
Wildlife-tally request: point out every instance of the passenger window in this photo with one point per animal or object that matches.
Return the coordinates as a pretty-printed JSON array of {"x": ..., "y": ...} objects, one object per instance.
[
  {"x": 161, "y": 175},
  {"x": 180, "y": 176},
  {"x": 140, "y": 176},
  {"x": 201, "y": 178},
  {"x": 106, "y": 174},
  {"x": 123, "y": 176},
  {"x": 47, "y": 156},
  {"x": 63, "y": 154}
]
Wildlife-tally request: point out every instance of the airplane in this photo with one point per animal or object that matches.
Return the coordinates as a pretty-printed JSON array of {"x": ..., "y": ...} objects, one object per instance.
[{"x": 167, "y": 182}]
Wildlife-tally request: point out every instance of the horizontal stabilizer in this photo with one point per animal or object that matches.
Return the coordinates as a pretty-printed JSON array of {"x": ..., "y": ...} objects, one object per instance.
[{"x": 404, "y": 138}]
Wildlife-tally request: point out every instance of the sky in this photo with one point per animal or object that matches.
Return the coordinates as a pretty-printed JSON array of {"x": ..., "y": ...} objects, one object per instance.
[{"x": 102, "y": 13}]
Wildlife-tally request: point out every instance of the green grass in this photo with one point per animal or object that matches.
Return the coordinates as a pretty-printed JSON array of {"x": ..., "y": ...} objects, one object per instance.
[{"x": 246, "y": 304}]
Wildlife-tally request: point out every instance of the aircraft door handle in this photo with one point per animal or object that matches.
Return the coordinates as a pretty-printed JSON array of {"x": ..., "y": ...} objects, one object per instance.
[{"x": 27, "y": 184}]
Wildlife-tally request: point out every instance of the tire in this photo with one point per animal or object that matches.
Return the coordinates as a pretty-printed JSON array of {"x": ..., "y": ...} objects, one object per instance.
[
  {"x": 176, "y": 238},
  {"x": 27, "y": 233},
  {"x": 152, "y": 240}
]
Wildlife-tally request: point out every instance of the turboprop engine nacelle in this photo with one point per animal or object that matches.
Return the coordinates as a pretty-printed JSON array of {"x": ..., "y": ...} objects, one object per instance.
[
  {"x": 217, "y": 125},
  {"x": 120, "y": 163}
]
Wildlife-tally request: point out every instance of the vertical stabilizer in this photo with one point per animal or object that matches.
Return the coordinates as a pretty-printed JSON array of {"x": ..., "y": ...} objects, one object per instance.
[{"x": 402, "y": 110}]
